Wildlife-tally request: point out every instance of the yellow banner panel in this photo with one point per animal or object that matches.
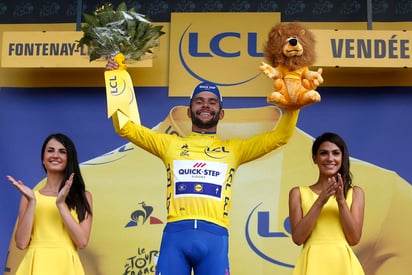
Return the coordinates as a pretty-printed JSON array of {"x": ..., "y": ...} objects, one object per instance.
[
  {"x": 363, "y": 48},
  {"x": 49, "y": 49},
  {"x": 225, "y": 48},
  {"x": 221, "y": 47}
]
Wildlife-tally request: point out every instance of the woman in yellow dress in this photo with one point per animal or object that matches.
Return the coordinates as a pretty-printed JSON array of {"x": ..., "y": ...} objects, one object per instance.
[
  {"x": 54, "y": 221},
  {"x": 327, "y": 217}
]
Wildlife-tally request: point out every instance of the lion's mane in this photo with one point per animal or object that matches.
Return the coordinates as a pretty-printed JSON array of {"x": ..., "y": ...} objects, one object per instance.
[{"x": 277, "y": 38}]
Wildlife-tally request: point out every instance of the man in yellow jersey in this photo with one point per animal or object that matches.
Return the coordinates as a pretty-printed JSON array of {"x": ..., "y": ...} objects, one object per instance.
[
  {"x": 200, "y": 170},
  {"x": 260, "y": 237}
]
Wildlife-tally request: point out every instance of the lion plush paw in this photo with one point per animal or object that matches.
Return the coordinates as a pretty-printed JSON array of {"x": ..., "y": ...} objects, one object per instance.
[
  {"x": 268, "y": 70},
  {"x": 311, "y": 80}
]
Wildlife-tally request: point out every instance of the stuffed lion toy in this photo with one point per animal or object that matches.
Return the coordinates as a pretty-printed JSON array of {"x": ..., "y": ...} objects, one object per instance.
[{"x": 290, "y": 50}]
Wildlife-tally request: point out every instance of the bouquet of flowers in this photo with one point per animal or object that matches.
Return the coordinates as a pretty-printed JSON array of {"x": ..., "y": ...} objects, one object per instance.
[{"x": 110, "y": 32}]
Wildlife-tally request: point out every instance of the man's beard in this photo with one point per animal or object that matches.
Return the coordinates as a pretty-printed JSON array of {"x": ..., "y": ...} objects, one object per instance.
[{"x": 204, "y": 124}]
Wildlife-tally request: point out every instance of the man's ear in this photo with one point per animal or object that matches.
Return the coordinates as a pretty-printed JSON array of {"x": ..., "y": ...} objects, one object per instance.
[
  {"x": 221, "y": 114},
  {"x": 189, "y": 113}
]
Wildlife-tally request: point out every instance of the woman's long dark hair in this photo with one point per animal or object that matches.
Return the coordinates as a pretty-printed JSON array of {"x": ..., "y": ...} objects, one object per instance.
[
  {"x": 76, "y": 199},
  {"x": 345, "y": 167}
]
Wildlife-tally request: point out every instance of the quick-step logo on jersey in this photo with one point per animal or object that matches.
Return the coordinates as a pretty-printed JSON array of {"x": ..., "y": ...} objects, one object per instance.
[{"x": 199, "y": 178}]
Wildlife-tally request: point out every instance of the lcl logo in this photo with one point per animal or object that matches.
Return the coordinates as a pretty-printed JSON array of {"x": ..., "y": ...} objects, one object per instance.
[
  {"x": 262, "y": 231},
  {"x": 194, "y": 47}
]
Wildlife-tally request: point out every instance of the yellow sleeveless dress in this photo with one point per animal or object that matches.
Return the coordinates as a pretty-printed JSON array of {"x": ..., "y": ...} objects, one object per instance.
[
  {"x": 326, "y": 251},
  {"x": 51, "y": 250}
]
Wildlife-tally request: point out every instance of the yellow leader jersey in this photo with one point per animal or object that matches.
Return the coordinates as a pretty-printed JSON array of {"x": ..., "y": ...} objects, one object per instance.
[{"x": 201, "y": 167}]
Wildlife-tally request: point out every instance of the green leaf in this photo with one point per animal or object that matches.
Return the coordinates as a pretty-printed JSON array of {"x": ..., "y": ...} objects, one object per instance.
[{"x": 108, "y": 31}]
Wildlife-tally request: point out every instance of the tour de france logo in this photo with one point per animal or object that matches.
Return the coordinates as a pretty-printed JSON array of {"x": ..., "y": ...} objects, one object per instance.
[{"x": 141, "y": 216}]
